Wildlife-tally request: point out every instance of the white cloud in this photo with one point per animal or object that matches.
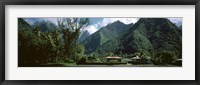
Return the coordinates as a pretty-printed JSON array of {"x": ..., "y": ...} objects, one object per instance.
[
  {"x": 33, "y": 20},
  {"x": 106, "y": 21},
  {"x": 53, "y": 20},
  {"x": 91, "y": 29},
  {"x": 177, "y": 21}
]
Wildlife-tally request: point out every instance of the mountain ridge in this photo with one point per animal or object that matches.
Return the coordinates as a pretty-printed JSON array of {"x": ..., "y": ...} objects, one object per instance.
[
  {"x": 45, "y": 26},
  {"x": 149, "y": 34},
  {"x": 83, "y": 36},
  {"x": 104, "y": 34}
]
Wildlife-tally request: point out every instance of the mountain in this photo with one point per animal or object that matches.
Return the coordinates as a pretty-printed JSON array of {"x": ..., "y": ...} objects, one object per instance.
[
  {"x": 31, "y": 21},
  {"x": 150, "y": 34},
  {"x": 83, "y": 36},
  {"x": 23, "y": 24},
  {"x": 45, "y": 26},
  {"x": 180, "y": 27},
  {"x": 105, "y": 34}
]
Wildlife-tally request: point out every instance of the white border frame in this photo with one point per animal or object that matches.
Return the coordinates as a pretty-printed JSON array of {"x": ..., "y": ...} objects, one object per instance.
[{"x": 186, "y": 72}]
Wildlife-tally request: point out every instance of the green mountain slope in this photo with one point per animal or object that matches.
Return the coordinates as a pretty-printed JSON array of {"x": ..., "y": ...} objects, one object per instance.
[
  {"x": 83, "y": 36},
  {"x": 22, "y": 24},
  {"x": 105, "y": 34},
  {"x": 150, "y": 34},
  {"x": 45, "y": 26}
]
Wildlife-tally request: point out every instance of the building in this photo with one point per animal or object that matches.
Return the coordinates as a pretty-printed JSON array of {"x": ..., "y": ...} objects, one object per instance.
[{"x": 113, "y": 58}]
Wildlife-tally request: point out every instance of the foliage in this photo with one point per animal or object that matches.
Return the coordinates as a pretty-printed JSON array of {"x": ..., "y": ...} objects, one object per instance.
[
  {"x": 39, "y": 48},
  {"x": 104, "y": 34},
  {"x": 148, "y": 35},
  {"x": 82, "y": 60},
  {"x": 163, "y": 57},
  {"x": 157, "y": 39}
]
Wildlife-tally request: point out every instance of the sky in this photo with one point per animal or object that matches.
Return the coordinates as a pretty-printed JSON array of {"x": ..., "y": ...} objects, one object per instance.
[{"x": 97, "y": 23}]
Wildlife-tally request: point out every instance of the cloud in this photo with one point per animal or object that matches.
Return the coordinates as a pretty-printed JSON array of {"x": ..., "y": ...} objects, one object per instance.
[
  {"x": 53, "y": 20},
  {"x": 95, "y": 27},
  {"x": 91, "y": 29},
  {"x": 177, "y": 21},
  {"x": 33, "y": 20},
  {"x": 106, "y": 21}
]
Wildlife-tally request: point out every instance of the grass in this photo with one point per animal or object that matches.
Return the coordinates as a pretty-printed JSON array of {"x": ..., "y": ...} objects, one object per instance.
[{"x": 60, "y": 64}]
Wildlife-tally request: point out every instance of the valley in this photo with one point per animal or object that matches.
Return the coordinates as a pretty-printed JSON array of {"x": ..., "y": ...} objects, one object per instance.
[{"x": 150, "y": 42}]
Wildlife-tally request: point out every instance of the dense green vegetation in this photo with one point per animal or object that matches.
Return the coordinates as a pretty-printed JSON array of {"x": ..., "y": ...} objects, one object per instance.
[
  {"x": 149, "y": 35},
  {"x": 105, "y": 34},
  {"x": 58, "y": 46},
  {"x": 155, "y": 41}
]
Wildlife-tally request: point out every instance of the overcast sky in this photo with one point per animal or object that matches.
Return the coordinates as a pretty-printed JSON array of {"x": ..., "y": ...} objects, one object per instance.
[{"x": 97, "y": 23}]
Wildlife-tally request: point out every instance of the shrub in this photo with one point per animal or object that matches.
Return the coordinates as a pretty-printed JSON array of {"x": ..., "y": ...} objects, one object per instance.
[
  {"x": 163, "y": 58},
  {"x": 82, "y": 60}
]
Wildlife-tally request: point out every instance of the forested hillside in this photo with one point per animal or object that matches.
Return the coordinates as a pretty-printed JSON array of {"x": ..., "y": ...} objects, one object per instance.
[
  {"x": 105, "y": 34},
  {"x": 149, "y": 35}
]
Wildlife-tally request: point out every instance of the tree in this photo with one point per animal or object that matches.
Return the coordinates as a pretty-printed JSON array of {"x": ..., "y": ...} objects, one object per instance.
[
  {"x": 163, "y": 57},
  {"x": 144, "y": 54},
  {"x": 111, "y": 53},
  {"x": 120, "y": 53},
  {"x": 79, "y": 52},
  {"x": 40, "y": 48},
  {"x": 71, "y": 31}
]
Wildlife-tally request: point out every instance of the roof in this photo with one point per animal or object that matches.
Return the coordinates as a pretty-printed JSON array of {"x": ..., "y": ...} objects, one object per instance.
[
  {"x": 113, "y": 57},
  {"x": 137, "y": 57}
]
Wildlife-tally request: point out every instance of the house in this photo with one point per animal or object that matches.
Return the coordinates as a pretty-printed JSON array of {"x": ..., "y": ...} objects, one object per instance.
[
  {"x": 113, "y": 58},
  {"x": 136, "y": 58}
]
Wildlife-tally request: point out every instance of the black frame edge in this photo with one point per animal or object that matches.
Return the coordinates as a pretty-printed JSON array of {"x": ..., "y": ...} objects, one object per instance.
[
  {"x": 197, "y": 40},
  {"x": 2, "y": 41}
]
